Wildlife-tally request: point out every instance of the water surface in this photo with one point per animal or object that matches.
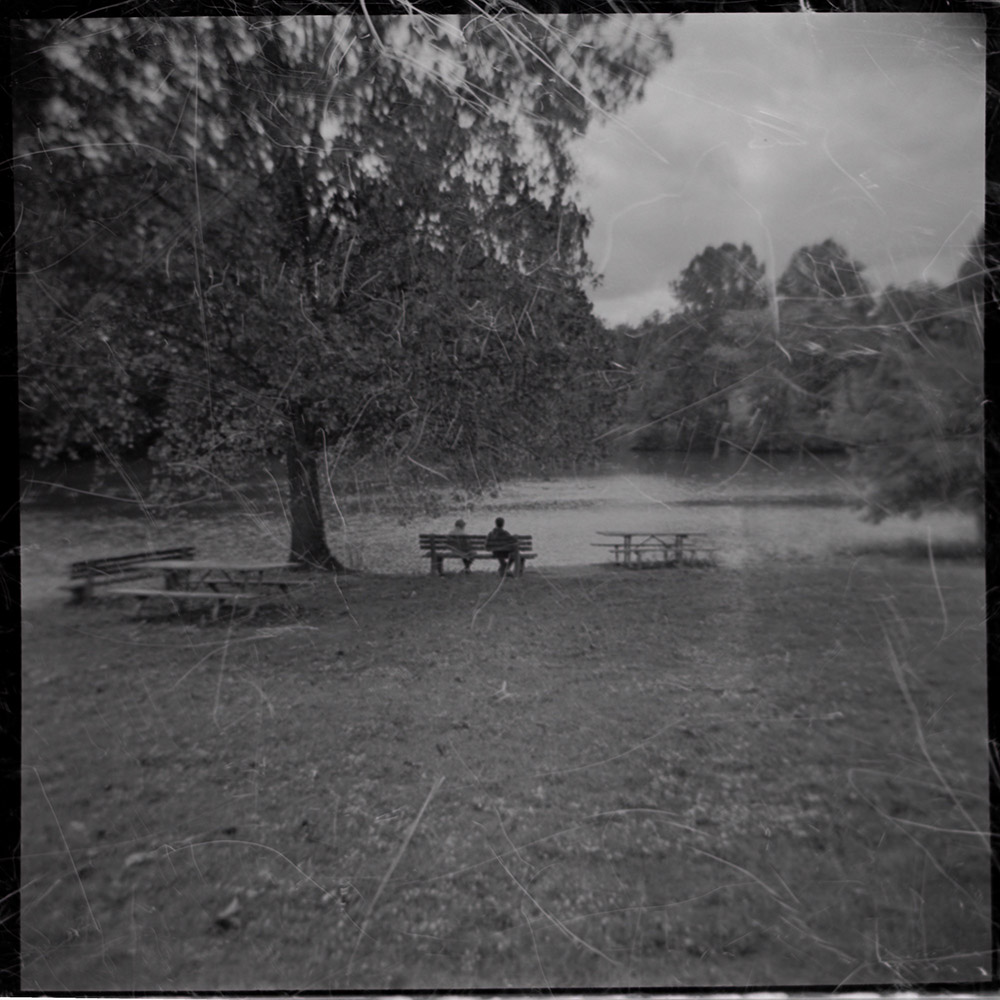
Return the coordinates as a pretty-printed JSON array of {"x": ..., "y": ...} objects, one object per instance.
[{"x": 757, "y": 509}]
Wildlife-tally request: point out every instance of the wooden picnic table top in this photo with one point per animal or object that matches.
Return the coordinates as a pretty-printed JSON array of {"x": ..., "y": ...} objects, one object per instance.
[
  {"x": 210, "y": 565},
  {"x": 654, "y": 534}
]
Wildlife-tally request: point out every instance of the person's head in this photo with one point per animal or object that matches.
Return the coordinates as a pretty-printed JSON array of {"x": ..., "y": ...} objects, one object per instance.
[
  {"x": 499, "y": 522},
  {"x": 460, "y": 523}
]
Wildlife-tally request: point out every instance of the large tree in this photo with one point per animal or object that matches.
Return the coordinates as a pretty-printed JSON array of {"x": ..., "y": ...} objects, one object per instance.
[{"x": 303, "y": 235}]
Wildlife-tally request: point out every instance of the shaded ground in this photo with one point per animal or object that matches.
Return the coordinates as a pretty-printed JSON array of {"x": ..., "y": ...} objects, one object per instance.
[{"x": 586, "y": 778}]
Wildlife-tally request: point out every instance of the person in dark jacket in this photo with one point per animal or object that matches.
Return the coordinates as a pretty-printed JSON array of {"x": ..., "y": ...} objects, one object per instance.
[{"x": 503, "y": 545}]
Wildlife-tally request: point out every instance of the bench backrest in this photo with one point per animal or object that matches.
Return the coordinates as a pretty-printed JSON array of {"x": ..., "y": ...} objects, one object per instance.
[
  {"x": 120, "y": 564},
  {"x": 472, "y": 543}
]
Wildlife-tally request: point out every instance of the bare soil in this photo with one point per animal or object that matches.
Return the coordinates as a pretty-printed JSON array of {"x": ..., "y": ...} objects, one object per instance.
[{"x": 586, "y": 778}]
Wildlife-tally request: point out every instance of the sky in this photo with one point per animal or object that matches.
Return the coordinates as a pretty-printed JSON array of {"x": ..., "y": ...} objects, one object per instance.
[{"x": 782, "y": 130}]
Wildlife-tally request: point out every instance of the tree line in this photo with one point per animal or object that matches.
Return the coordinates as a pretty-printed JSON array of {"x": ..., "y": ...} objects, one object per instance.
[{"x": 819, "y": 361}]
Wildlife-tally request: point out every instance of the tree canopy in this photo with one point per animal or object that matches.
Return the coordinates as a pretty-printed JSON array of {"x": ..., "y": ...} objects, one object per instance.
[
  {"x": 721, "y": 278},
  {"x": 824, "y": 271},
  {"x": 311, "y": 235}
]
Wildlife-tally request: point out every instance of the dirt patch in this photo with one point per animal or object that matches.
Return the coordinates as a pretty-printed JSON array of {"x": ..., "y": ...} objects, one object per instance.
[{"x": 587, "y": 778}]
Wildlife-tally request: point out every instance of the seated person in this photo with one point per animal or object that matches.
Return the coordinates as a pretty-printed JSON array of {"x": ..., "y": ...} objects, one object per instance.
[
  {"x": 459, "y": 542},
  {"x": 503, "y": 545}
]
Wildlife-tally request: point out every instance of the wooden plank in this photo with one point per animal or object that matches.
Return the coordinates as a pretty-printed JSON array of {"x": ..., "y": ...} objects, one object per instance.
[
  {"x": 113, "y": 563},
  {"x": 178, "y": 598},
  {"x": 100, "y": 581},
  {"x": 193, "y": 595},
  {"x": 478, "y": 553},
  {"x": 448, "y": 536},
  {"x": 656, "y": 534},
  {"x": 217, "y": 565},
  {"x": 473, "y": 555},
  {"x": 475, "y": 541}
]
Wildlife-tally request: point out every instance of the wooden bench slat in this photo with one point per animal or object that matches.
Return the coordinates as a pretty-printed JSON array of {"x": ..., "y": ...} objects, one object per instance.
[
  {"x": 477, "y": 539},
  {"x": 474, "y": 555},
  {"x": 100, "y": 581},
  {"x": 185, "y": 595},
  {"x": 179, "y": 597},
  {"x": 111, "y": 564}
]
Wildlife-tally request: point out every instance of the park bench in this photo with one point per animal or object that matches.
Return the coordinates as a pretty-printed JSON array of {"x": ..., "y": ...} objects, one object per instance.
[
  {"x": 90, "y": 573},
  {"x": 437, "y": 548}
]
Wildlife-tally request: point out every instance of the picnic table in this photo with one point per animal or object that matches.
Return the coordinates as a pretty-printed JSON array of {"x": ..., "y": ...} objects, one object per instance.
[
  {"x": 190, "y": 581},
  {"x": 645, "y": 549},
  {"x": 193, "y": 574}
]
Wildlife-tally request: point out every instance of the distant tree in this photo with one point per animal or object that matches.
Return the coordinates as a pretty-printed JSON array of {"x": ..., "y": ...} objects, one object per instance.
[
  {"x": 677, "y": 393},
  {"x": 973, "y": 277},
  {"x": 825, "y": 271},
  {"x": 721, "y": 278},
  {"x": 682, "y": 363},
  {"x": 307, "y": 235},
  {"x": 915, "y": 402}
]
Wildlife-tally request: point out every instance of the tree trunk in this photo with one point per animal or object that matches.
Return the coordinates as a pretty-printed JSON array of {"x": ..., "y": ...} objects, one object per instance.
[{"x": 308, "y": 537}]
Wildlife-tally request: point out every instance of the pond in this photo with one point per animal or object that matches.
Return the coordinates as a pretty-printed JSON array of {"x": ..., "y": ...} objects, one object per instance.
[
  {"x": 756, "y": 509},
  {"x": 788, "y": 507}
]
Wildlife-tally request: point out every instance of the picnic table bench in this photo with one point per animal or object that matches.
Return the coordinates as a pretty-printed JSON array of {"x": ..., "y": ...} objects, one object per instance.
[
  {"x": 181, "y": 600},
  {"x": 215, "y": 583},
  {"x": 440, "y": 547},
  {"x": 90, "y": 573},
  {"x": 644, "y": 550}
]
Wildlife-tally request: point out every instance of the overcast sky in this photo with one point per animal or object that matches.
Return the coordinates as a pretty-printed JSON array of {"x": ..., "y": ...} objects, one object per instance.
[{"x": 781, "y": 130}]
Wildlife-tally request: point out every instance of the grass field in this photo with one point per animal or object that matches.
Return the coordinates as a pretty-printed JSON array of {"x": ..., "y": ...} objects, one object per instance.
[{"x": 586, "y": 778}]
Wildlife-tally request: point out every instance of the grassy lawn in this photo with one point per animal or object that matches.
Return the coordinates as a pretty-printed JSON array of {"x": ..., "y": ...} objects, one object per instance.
[{"x": 586, "y": 778}]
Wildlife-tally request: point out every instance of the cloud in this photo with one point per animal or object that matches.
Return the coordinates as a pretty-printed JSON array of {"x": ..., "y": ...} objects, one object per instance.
[{"x": 781, "y": 130}]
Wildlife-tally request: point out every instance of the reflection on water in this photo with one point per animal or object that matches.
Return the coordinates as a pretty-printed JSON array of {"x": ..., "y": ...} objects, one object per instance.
[{"x": 755, "y": 509}]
